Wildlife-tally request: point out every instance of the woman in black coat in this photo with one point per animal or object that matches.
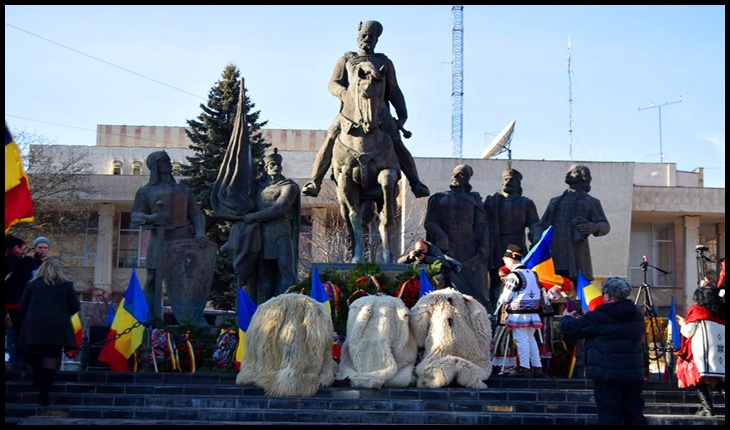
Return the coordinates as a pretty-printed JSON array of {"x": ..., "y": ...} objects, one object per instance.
[{"x": 48, "y": 302}]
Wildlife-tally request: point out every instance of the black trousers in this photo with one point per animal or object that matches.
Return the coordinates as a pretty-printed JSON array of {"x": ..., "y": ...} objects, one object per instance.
[{"x": 619, "y": 403}]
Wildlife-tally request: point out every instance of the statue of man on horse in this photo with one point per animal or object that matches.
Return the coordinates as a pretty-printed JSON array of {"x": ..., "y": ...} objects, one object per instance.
[
  {"x": 364, "y": 144},
  {"x": 368, "y": 34}
]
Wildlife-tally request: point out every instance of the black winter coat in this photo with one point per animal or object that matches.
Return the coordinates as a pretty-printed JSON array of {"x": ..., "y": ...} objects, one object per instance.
[
  {"x": 17, "y": 274},
  {"x": 613, "y": 335},
  {"x": 47, "y": 311}
]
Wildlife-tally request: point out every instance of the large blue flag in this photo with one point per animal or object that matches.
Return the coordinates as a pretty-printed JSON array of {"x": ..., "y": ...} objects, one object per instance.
[
  {"x": 425, "y": 285},
  {"x": 674, "y": 334}
]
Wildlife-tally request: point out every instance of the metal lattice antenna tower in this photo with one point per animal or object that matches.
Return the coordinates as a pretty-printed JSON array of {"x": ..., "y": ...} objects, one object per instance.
[
  {"x": 570, "y": 104},
  {"x": 457, "y": 78}
]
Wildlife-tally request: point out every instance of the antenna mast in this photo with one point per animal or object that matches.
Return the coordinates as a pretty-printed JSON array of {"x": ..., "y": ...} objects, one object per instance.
[
  {"x": 457, "y": 78},
  {"x": 652, "y": 106},
  {"x": 570, "y": 105}
]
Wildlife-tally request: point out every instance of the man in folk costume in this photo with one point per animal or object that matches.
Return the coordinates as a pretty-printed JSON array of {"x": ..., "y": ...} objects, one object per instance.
[
  {"x": 701, "y": 357},
  {"x": 522, "y": 297}
]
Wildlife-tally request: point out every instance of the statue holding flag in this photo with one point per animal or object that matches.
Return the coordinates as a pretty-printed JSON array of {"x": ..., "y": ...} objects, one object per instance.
[{"x": 264, "y": 209}]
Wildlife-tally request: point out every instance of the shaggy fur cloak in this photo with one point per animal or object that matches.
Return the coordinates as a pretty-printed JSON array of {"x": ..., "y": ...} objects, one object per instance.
[
  {"x": 289, "y": 347},
  {"x": 379, "y": 349},
  {"x": 454, "y": 333}
]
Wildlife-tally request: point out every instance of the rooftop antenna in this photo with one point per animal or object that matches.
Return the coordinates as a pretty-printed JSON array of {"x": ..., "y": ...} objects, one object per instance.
[
  {"x": 570, "y": 105},
  {"x": 659, "y": 107},
  {"x": 501, "y": 144}
]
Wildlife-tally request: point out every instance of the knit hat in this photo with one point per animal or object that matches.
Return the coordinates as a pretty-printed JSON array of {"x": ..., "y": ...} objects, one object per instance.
[
  {"x": 616, "y": 287},
  {"x": 41, "y": 239},
  {"x": 514, "y": 252}
]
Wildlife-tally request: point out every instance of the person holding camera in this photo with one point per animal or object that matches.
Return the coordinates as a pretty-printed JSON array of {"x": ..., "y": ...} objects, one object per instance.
[
  {"x": 424, "y": 252},
  {"x": 39, "y": 252}
]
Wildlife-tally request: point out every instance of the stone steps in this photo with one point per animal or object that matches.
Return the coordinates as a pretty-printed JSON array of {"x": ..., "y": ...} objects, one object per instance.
[{"x": 98, "y": 397}]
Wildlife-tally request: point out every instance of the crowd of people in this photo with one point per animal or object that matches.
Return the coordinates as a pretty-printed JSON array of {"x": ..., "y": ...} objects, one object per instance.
[{"x": 40, "y": 299}]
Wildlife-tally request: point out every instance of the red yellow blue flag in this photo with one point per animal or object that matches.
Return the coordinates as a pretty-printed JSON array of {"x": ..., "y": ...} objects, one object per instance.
[
  {"x": 587, "y": 294},
  {"x": 78, "y": 335},
  {"x": 246, "y": 309},
  {"x": 18, "y": 201},
  {"x": 540, "y": 260},
  {"x": 317, "y": 292},
  {"x": 132, "y": 313}
]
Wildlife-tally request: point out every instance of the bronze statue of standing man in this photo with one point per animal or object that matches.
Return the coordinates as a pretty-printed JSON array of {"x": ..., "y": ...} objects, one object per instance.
[
  {"x": 456, "y": 222},
  {"x": 575, "y": 215},
  {"x": 178, "y": 251},
  {"x": 510, "y": 215}
]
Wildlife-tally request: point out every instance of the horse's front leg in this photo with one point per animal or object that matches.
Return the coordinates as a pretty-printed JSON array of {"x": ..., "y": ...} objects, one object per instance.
[
  {"x": 388, "y": 180},
  {"x": 349, "y": 198}
]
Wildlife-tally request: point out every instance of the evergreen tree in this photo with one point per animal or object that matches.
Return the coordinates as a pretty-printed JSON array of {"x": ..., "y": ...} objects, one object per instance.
[{"x": 210, "y": 133}]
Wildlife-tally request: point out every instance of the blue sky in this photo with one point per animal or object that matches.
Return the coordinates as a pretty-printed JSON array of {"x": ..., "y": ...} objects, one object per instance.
[{"x": 69, "y": 68}]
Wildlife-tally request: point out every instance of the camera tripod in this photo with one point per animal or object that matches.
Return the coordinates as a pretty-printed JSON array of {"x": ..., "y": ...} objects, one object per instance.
[
  {"x": 702, "y": 261},
  {"x": 654, "y": 344}
]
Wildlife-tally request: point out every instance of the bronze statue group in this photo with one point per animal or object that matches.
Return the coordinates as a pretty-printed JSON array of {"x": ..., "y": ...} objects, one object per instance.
[{"x": 288, "y": 347}]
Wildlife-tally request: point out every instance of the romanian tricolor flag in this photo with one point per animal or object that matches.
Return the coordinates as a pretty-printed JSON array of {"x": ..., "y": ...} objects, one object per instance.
[
  {"x": 317, "y": 292},
  {"x": 246, "y": 309},
  {"x": 589, "y": 296},
  {"x": 540, "y": 260},
  {"x": 425, "y": 284},
  {"x": 78, "y": 335},
  {"x": 18, "y": 202},
  {"x": 131, "y": 314}
]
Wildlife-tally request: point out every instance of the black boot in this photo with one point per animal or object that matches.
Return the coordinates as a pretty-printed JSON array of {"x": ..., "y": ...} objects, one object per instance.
[
  {"x": 720, "y": 387},
  {"x": 36, "y": 364},
  {"x": 706, "y": 408},
  {"x": 47, "y": 379}
]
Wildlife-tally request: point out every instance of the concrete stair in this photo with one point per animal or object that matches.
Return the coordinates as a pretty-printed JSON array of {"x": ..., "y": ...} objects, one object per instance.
[{"x": 143, "y": 398}]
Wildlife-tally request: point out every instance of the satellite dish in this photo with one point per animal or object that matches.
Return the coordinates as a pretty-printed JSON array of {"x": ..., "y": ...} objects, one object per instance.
[{"x": 500, "y": 143}]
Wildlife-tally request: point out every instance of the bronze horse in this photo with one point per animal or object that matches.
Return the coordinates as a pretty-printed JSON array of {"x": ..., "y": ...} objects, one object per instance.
[{"x": 364, "y": 164}]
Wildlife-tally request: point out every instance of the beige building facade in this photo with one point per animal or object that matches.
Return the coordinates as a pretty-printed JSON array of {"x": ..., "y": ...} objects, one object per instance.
[{"x": 654, "y": 210}]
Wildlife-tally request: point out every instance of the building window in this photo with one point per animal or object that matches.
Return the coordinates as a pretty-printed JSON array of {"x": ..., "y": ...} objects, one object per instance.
[
  {"x": 656, "y": 242},
  {"x": 176, "y": 168},
  {"x": 137, "y": 167},
  {"x": 128, "y": 244},
  {"x": 81, "y": 249},
  {"x": 118, "y": 167}
]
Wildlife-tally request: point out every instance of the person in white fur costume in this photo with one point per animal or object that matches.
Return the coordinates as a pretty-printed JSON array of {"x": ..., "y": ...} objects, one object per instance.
[
  {"x": 454, "y": 333},
  {"x": 289, "y": 347},
  {"x": 379, "y": 349}
]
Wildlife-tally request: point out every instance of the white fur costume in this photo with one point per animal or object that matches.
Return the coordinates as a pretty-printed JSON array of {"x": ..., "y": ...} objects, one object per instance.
[
  {"x": 289, "y": 347},
  {"x": 455, "y": 333},
  {"x": 379, "y": 349}
]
